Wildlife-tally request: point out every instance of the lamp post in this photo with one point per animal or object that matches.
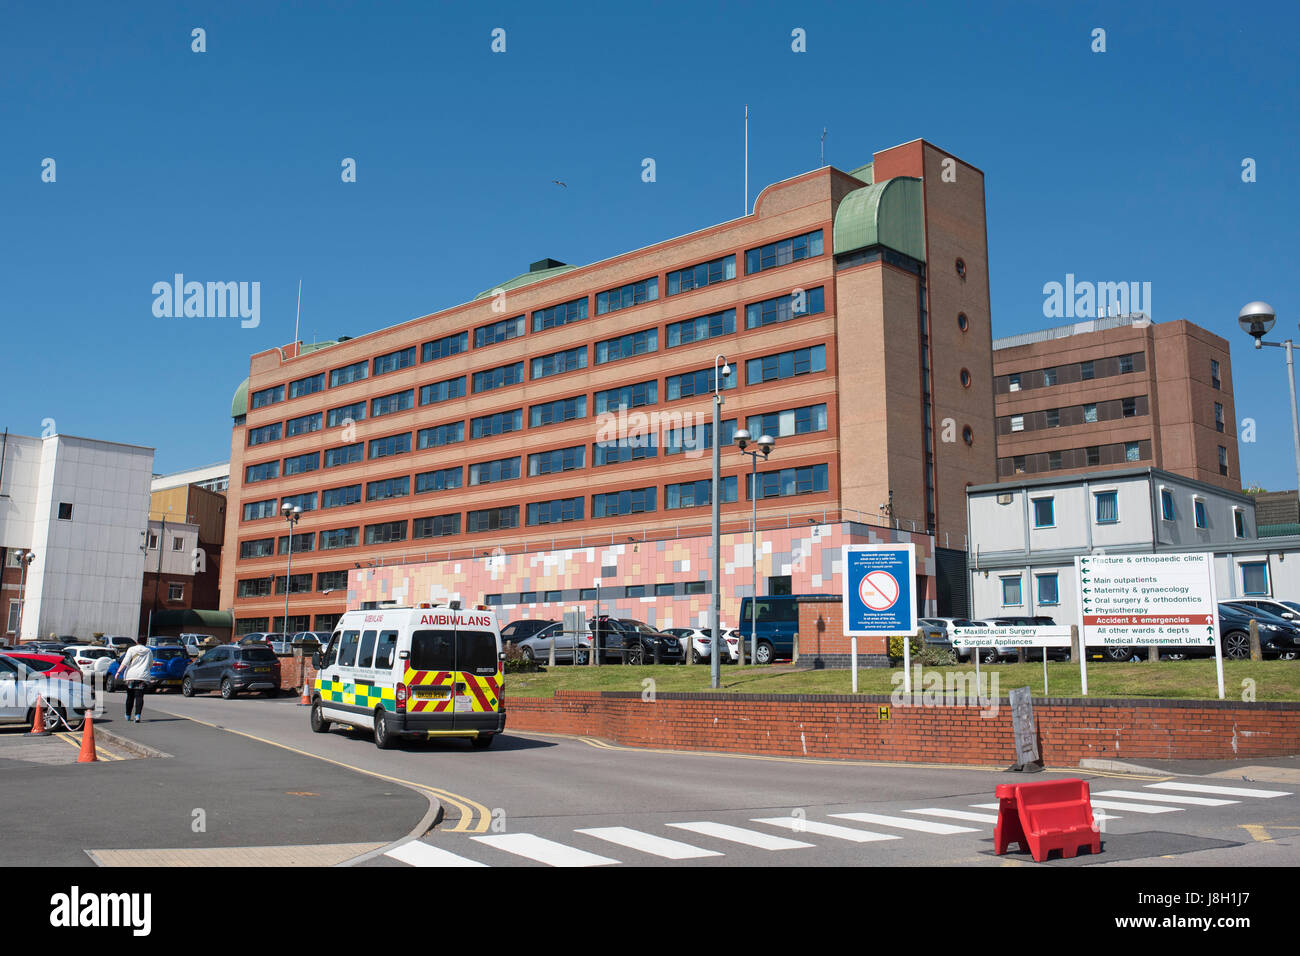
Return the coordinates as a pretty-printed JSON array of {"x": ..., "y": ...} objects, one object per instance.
[
  {"x": 715, "y": 658},
  {"x": 765, "y": 445},
  {"x": 1257, "y": 319},
  {"x": 291, "y": 514},
  {"x": 25, "y": 559}
]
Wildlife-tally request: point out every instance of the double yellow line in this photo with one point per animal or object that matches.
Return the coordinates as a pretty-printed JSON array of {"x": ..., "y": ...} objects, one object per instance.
[{"x": 99, "y": 750}]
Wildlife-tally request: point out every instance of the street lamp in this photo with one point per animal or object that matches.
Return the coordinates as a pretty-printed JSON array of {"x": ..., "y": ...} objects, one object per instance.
[
  {"x": 765, "y": 445},
  {"x": 1257, "y": 319},
  {"x": 715, "y": 658},
  {"x": 291, "y": 514},
  {"x": 25, "y": 558}
]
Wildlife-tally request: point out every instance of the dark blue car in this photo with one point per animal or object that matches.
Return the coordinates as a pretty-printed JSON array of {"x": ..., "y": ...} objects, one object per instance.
[{"x": 169, "y": 663}]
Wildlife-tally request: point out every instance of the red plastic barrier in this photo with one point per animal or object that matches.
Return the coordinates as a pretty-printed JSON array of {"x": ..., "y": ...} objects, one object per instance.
[{"x": 1042, "y": 817}]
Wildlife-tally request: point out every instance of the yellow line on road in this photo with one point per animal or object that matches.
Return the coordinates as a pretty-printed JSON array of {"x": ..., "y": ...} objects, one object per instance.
[
  {"x": 99, "y": 751},
  {"x": 466, "y": 807}
]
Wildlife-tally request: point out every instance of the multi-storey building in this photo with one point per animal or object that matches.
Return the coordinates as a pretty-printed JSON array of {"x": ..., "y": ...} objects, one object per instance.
[
  {"x": 1116, "y": 392},
  {"x": 571, "y": 405},
  {"x": 187, "y": 526}
]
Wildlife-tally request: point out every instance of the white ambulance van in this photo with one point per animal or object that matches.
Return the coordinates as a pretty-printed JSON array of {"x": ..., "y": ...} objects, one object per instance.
[{"x": 432, "y": 670}]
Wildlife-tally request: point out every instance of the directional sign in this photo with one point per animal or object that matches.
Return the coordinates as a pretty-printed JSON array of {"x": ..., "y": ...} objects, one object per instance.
[
  {"x": 1147, "y": 599},
  {"x": 879, "y": 589},
  {"x": 1010, "y": 637}
]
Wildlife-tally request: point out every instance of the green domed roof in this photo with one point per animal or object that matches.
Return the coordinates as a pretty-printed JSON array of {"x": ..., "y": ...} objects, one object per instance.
[
  {"x": 890, "y": 214},
  {"x": 526, "y": 279},
  {"x": 239, "y": 404}
]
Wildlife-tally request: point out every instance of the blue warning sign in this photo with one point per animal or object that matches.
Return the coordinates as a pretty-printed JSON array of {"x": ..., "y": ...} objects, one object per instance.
[{"x": 879, "y": 589}]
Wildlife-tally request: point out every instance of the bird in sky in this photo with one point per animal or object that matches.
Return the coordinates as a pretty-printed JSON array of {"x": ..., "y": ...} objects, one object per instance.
[{"x": 558, "y": 183}]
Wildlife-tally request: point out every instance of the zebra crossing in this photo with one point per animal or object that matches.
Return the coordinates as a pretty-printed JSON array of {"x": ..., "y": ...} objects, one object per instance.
[{"x": 703, "y": 839}]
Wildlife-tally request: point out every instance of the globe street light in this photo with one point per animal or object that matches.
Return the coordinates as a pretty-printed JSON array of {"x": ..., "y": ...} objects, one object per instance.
[
  {"x": 1256, "y": 320},
  {"x": 765, "y": 445},
  {"x": 715, "y": 670},
  {"x": 291, "y": 514}
]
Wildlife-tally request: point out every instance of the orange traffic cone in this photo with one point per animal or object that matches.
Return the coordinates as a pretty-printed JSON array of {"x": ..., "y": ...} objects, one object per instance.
[
  {"x": 305, "y": 701},
  {"x": 38, "y": 722},
  {"x": 88, "y": 754}
]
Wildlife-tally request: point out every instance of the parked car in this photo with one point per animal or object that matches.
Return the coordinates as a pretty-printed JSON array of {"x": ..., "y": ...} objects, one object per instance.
[
  {"x": 307, "y": 638},
  {"x": 537, "y": 646},
  {"x": 91, "y": 660},
  {"x": 51, "y": 665},
  {"x": 21, "y": 688},
  {"x": 700, "y": 641},
  {"x": 519, "y": 631},
  {"x": 41, "y": 647},
  {"x": 119, "y": 645},
  {"x": 1277, "y": 638},
  {"x": 1288, "y": 610},
  {"x": 775, "y": 626},
  {"x": 234, "y": 669},
  {"x": 261, "y": 637},
  {"x": 169, "y": 663},
  {"x": 162, "y": 640},
  {"x": 626, "y": 640}
]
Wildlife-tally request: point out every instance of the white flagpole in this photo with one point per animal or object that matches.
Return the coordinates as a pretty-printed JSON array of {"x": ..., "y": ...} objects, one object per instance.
[
  {"x": 746, "y": 159},
  {"x": 296, "y": 314}
]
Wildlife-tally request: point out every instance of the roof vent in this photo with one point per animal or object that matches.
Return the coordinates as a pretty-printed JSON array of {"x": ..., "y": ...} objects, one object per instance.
[{"x": 543, "y": 264}]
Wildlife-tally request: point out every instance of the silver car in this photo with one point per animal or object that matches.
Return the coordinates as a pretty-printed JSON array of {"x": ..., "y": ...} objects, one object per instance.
[
  {"x": 538, "y": 647},
  {"x": 62, "y": 700}
]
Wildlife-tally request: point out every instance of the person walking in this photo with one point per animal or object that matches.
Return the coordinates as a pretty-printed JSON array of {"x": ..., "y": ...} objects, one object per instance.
[{"x": 136, "y": 664}]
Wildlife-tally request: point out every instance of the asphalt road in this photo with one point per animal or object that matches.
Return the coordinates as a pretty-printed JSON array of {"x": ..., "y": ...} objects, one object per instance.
[{"x": 533, "y": 799}]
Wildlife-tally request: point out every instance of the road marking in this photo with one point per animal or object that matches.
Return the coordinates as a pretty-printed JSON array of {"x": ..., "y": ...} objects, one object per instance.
[
  {"x": 958, "y": 814},
  {"x": 724, "y": 831},
  {"x": 418, "y": 853},
  {"x": 1223, "y": 791},
  {"x": 994, "y": 806},
  {"x": 99, "y": 748},
  {"x": 985, "y": 806},
  {"x": 1165, "y": 798},
  {"x": 1134, "y": 807},
  {"x": 532, "y": 847},
  {"x": 903, "y": 823},
  {"x": 648, "y": 843},
  {"x": 826, "y": 829}
]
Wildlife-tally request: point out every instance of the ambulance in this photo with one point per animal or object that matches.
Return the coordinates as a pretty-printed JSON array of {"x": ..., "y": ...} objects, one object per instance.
[{"x": 426, "y": 671}]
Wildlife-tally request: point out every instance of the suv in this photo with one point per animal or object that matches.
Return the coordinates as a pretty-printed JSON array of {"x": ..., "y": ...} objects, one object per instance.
[
  {"x": 633, "y": 642},
  {"x": 169, "y": 661},
  {"x": 196, "y": 644},
  {"x": 233, "y": 669}
]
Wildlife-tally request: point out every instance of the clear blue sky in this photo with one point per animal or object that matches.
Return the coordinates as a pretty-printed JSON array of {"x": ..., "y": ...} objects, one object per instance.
[{"x": 1123, "y": 165}]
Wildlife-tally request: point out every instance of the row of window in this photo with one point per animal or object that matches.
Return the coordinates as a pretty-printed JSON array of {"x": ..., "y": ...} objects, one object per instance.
[
  {"x": 1090, "y": 456},
  {"x": 1106, "y": 510},
  {"x": 1069, "y": 373},
  {"x": 1254, "y": 581},
  {"x": 1086, "y": 414}
]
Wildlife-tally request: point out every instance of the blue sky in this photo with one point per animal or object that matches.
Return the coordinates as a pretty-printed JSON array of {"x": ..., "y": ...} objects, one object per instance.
[{"x": 225, "y": 165}]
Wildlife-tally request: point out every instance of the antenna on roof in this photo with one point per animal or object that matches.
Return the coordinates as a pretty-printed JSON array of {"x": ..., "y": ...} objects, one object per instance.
[
  {"x": 746, "y": 159},
  {"x": 823, "y": 152},
  {"x": 296, "y": 314}
]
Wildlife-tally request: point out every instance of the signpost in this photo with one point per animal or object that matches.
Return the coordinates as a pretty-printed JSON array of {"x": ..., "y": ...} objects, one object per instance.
[
  {"x": 1146, "y": 600},
  {"x": 1006, "y": 636},
  {"x": 879, "y": 598}
]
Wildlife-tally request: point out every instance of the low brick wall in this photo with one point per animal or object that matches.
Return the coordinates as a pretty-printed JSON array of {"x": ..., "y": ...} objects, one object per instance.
[
  {"x": 289, "y": 672},
  {"x": 851, "y": 727}
]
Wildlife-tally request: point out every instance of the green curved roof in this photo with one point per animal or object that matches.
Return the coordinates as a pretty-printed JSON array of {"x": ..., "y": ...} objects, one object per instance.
[
  {"x": 889, "y": 214},
  {"x": 239, "y": 404},
  {"x": 528, "y": 278}
]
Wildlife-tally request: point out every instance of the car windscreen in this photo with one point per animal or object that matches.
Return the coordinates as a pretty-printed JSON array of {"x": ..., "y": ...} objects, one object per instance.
[
  {"x": 258, "y": 654},
  {"x": 169, "y": 652}
]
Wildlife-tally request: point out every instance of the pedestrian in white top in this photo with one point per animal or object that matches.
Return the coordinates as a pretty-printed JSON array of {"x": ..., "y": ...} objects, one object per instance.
[{"x": 136, "y": 664}]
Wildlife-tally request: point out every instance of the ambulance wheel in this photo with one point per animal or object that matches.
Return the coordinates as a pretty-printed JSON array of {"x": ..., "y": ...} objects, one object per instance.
[
  {"x": 483, "y": 741},
  {"x": 383, "y": 739},
  {"x": 318, "y": 722}
]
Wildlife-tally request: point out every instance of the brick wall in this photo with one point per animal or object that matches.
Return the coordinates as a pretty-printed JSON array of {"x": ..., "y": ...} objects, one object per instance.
[{"x": 850, "y": 727}]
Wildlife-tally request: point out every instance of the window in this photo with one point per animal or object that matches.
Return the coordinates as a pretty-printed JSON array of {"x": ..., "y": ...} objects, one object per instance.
[
  {"x": 349, "y": 374},
  {"x": 790, "y": 481},
  {"x": 570, "y": 360},
  {"x": 1223, "y": 460},
  {"x": 783, "y": 252},
  {"x": 1092, "y": 455},
  {"x": 1050, "y": 376},
  {"x": 262, "y": 472},
  {"x": 1053, "y": 418},
  {"x": 1017, "y": 423},
  {"x": 175, "y": 592},
  {"x": 254, "y": 587},
  {"x": 1132, "y": 451},
  {"x": 1254, "y": 577},
  {"x": 435, "y": 526},
  {"x": 696, "y": 438},
  {"x": 388, "y": 488},
  {"x": 1107, "y": 507},
  {"x": 266, "y": 396},
  {"x": 560, "y": 410},
  {"x": 488, "y": 472},
  {"x": 635, "y": 591},
  {"x": 253, "y": 510},
  {"x": 440, "y": 435},
  {"x": 623, "y": 450},
  {"x": 561, "y": 314},
  {"x": 331, "y": 581},
  {"x": 1218, "y": 417},
  {"x": 560, "y": 459},
  {"x": 1087, "y": 371},
  {"x": 785, "y": 307},
  {"x": 963, "y": 322},
  {"x": 306, "y": 501},
  {"x": 1166, "y": 504},
  {"x": 1011, "y": 592},
  {"x": 340, "y": 497},
  {"x": 298, "y": 584},
  {"x": 443, "y": 391},
  {"x": 791, "y": 421},
  {"x": 631, "y": 501},
  {"x": 1198, "y": 509},
  {"x": 392, "y": 445},
  {"x": 1239, "y": 522},
  {"x": 587, "y": 594},
  {"x": 301, "y": 542},
  {"x": 965, "y": 378},
  {"x": 386, "y": 532},
  {"x": 346, "y": 415},
  {"x": 441, "y": 348},
  {"x": 299, "y": 464},
  {"x": 260, "y": 548},
  {"x": 1018, "y": 464},
  {"x": 696, "y": 383},
  {"x": 635, "y": 293},
  {"x": 1044, "y": 513},
  {"x": 665, "y": 590},
  {"x": 1128, "y": 407},
  {"x": 696, "y": 494},
  {"x": 1013, "y": 383},
  {"x": 629, "y": 396},
  {"x": 1053, "y": 460},
  {"x": 307, "y": 386},
  {"x": 1125, "y": 364},
  {"x": 339, "y": 538},
  {"x": 1090, "y": 413},
  {"x": 499, "y": 332},
  {"x": 344, "y": 455},
  {"x": 260, "y": 436},
  {"x": 704, "y": 327},
  {"x": 1048, "y": 591},
  {"x": 397, "y": 402},
  {"x": 302, "y": 425},
  {"x": 555, "y": 512},
  {"x": 497, "y": 424},
  {"x": 499, "y": 377},
  {"x": 402, "y": 358},
  {"x": 786, "y": 364},
  {"x": 444, "y": 479},
  {"x": 1214, "y": 374},
  {"x": 493, "y": 519},
  {"x": 706, "y": 273},
  {"x": 626, "y": 346}
]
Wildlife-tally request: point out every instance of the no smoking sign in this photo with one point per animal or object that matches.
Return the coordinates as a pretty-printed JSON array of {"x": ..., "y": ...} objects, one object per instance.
[{"x": 879, "y": 589}]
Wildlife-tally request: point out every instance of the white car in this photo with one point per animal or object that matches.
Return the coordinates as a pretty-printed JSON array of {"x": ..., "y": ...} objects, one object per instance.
[
  {"x": 701, "y": 643},
  {"x": 91, "y": 661},
  {"x": 21, "y": 688}
]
